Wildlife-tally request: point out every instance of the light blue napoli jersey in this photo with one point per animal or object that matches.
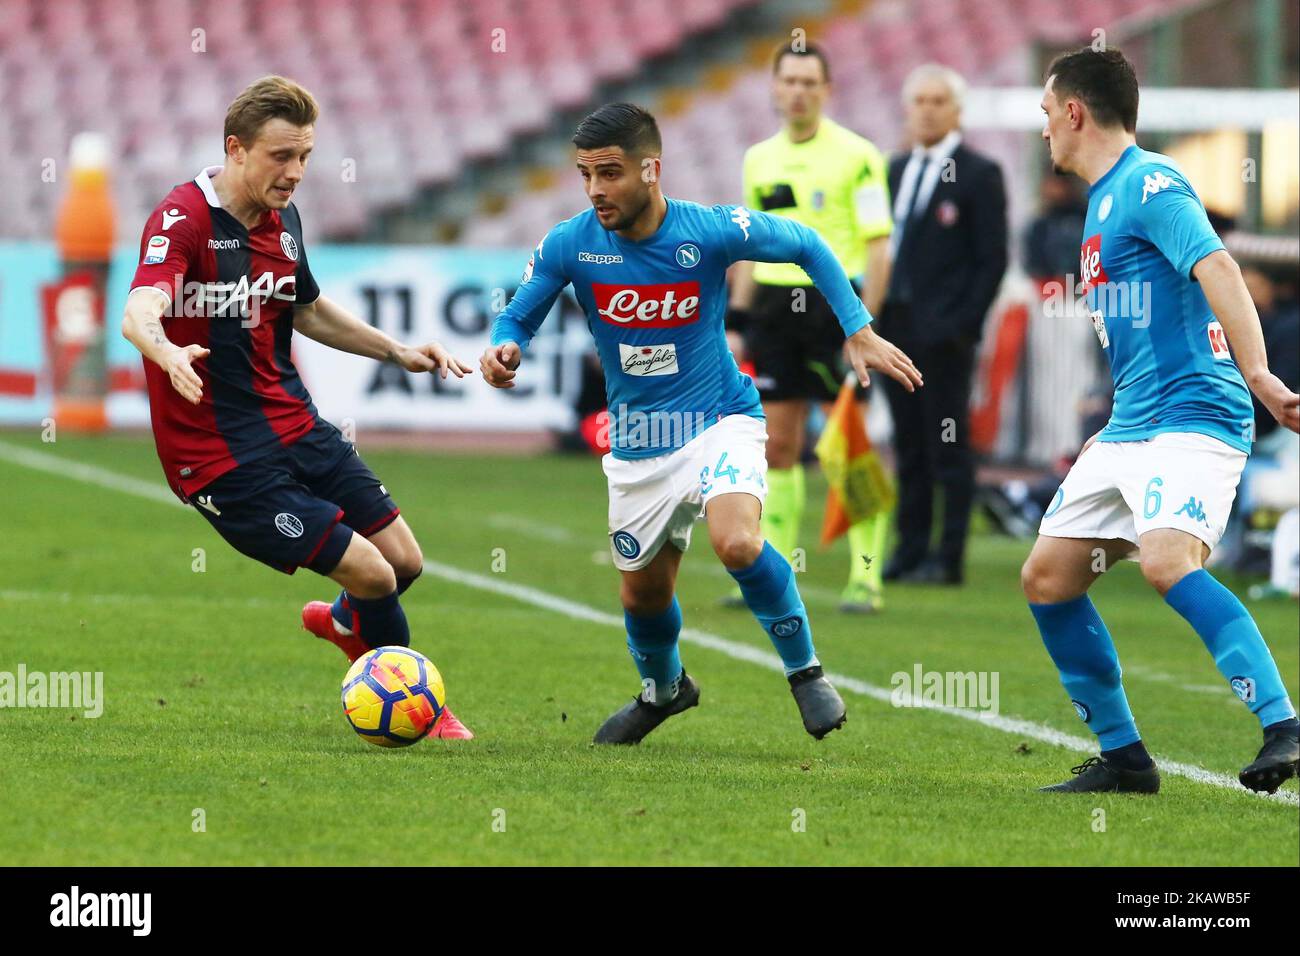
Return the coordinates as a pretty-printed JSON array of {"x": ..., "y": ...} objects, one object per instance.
[
  {"x": 1169, "y": 358},
  {"x": 655, "y": 308}
]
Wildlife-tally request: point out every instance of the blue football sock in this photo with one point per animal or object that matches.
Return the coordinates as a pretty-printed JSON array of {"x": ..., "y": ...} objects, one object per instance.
[
  {"x": 1080, "y": 646},
  {"x": 769, "y": 589},
  {"x": 404, "y": 583},
  {"x": 381, "y": 621},
  {"x": 1233, "y": 640},
  {"x": 652, "y": 642}
]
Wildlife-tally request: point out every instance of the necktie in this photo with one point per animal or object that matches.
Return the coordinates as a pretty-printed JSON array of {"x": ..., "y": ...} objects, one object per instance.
[{"x": 899, "y": 287}]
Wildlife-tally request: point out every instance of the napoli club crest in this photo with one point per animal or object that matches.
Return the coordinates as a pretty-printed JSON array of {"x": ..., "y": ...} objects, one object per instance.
[
  {"x": 947, "y": 213},
  {"x": 688, "y": 255},
  {"x": 289, "y": 246},
  {"x": 628, "y": 546}
]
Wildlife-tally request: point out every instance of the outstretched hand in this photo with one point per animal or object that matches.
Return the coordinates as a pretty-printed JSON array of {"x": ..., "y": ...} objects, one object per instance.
[
  {"x": 429, "y": 358},
  {"x": 865, "y": 349},
  {"x": 184, "y": 379}
]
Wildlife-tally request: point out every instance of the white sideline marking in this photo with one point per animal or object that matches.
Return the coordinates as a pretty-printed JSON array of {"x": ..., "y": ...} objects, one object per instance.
[
  {"x": 557, "y": 534},
  {"x": 1160, "y": 677},
  {"x": 54, "y": 464}
]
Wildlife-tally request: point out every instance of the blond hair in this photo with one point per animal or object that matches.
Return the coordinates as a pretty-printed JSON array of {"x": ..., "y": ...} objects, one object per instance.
[{"x": 271, "y": 97}]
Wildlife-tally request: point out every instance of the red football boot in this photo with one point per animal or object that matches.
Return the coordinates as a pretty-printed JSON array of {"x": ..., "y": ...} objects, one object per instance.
[
  {"x": 449, "y": 728},
  {"x": 317, "y": 619}
]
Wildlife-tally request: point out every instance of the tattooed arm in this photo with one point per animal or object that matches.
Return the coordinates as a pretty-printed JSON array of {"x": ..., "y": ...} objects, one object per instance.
[{"x": 142, "y": 326}]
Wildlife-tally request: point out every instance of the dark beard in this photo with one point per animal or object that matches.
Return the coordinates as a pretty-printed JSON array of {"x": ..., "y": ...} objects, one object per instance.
[{"x": 626, "y": 221}]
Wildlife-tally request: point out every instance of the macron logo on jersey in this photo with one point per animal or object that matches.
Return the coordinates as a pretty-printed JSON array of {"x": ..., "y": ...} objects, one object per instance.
[
  {"x": 1153, "y": 183},
  {"x": 648, "y": 306},
  {"x": 1091, "y": 272}
]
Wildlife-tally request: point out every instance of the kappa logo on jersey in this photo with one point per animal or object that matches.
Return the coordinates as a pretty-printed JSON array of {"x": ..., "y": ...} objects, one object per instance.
[
  {"x": 648, "y": 306},
  {"x": 1091, "y": 272},
  {"x": 648, "y": 359},
  {"x": 156, "y": 251},
  {"x": 599, "y": 258},
  {"x": 170, "y": 219},
  {"x": 740, "y": 216},
  {"x": 1153, "y": 183},
  {"x": 289, "y": 246}
]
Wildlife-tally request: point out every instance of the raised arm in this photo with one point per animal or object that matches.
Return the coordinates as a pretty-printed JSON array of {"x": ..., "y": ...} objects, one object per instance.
[
  {"x": 514, "y": 328},
  {"x": 764, "y": 238}
]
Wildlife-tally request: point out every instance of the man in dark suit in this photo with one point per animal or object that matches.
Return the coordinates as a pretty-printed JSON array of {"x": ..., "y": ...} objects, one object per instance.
[{"x": 950, "y": 251}]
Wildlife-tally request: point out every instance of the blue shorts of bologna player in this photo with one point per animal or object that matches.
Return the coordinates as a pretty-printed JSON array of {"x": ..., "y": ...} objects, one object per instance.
[{"x": 298, "y": 506}]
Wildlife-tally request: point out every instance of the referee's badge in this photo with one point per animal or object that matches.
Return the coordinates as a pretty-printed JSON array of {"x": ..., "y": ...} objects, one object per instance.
[
  {"x": 947, "y": 213},
  {"x": 688, "y": 255}
]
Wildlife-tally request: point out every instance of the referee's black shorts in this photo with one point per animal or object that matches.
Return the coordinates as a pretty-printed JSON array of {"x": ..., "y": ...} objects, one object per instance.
[{"x": 797, "y": 355}]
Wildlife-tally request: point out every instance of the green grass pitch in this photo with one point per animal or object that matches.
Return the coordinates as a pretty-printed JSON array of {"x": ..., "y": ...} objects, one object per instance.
[{"x": 216, "y": 701}]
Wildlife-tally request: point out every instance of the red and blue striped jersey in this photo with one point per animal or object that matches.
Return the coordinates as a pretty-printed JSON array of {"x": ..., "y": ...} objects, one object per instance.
[{"x": 233, "y": 291}]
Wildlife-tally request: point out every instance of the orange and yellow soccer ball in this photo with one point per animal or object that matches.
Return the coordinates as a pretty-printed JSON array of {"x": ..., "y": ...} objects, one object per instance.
[{"x": 393, "y": 696}]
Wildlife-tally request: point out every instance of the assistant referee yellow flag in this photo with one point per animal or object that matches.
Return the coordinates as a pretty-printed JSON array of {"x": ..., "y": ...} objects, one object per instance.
[{"x": 859, "y": 484}]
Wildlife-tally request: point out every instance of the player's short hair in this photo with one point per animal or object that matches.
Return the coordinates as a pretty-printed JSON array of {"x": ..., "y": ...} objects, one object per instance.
[
  {"x": 955, "y": 82},
  {"x": 619, "y": 124},
  {"x": 1104, "y": 80},
  {"x": 271, "y": 97},
  {"x": 800, "y": 48}
]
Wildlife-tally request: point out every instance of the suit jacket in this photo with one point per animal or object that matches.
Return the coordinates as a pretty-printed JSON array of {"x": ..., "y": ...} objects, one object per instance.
[{"x": 954, "y": 253}]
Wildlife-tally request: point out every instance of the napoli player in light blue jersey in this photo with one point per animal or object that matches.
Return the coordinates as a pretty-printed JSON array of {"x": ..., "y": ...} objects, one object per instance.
[
  {"x": 1185, "y": 348},
  {"x": 686, "y": 427}
]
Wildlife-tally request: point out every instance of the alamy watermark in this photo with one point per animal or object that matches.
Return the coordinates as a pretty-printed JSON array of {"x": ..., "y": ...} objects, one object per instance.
[
  {"x": 630, "y": 428},
  {"x": 962, "y": 690},
  {"x": 79, "y": 690}
]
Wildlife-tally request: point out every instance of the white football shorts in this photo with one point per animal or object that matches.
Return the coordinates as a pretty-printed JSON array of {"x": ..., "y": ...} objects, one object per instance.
[
  {"x": 657, "y": 500},
  {"x": 1123, "y": 489}
]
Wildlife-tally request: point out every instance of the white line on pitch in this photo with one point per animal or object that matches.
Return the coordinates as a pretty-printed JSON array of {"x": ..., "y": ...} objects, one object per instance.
[
  {"x": 55, "y": 464},
  {"x": 557, "y": 534}
]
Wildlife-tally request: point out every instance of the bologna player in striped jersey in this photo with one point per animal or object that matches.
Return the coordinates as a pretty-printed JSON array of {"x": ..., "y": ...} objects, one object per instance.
[{"x": 222, "y": 285}]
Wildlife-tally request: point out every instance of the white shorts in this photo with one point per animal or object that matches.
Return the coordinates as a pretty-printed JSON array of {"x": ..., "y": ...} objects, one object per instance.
[
  {"x": 657, "y": 500},
  {"x": 1123, "y": 489}
]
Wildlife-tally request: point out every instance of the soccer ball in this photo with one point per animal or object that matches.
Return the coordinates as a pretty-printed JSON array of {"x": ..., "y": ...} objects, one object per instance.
[{"x": 393, "y": 696}]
